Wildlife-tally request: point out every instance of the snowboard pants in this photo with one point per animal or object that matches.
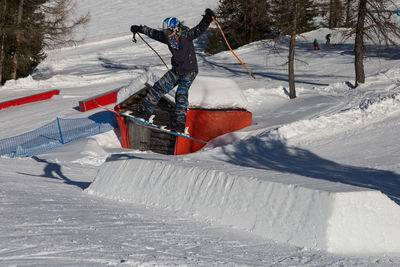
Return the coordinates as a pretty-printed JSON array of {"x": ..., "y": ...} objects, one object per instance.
[{"x": 166, "y": 84}]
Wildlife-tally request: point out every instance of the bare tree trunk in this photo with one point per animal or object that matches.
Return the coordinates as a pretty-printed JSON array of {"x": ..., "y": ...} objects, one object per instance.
[
  {"x": 18, "y": 38},
  {"x": 330, "y": 23},
  {"x": 348, "y": 13},
  {"x": 3, "y": 37},
  {"x": 359, "y": 43},
  {"x": 292, "y": 88}
]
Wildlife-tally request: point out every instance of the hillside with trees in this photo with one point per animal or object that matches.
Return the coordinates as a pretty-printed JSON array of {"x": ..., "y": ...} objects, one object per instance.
[{"x": 30, "y": 26}]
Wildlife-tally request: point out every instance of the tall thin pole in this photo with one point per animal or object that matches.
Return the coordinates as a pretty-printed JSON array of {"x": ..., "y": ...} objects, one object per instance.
[
  {"x": 223, "y": 35},
  {"x": 134, "y": 40}
]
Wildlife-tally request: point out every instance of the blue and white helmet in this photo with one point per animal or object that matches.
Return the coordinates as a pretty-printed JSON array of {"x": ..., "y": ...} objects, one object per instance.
[{"x": 171, "y": 23}]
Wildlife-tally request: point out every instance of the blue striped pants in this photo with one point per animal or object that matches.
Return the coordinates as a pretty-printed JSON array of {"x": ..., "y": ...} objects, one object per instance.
[{"x": 166, "y": 84}]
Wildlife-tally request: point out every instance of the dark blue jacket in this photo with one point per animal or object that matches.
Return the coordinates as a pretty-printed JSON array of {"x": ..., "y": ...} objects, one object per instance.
[{"x": 183, "y": 59}]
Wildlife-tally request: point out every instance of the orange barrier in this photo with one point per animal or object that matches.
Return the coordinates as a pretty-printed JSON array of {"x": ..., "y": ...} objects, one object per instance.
[
  {"x": 208, "y": 124},
  {"x": 103, "y": 99},
  {"x": 29, "y": 99},
  {"x": 122, "y": 128}
]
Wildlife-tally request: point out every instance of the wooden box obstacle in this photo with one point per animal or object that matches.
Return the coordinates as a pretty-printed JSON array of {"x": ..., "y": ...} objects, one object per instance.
[{"x": 204, "y": 124}]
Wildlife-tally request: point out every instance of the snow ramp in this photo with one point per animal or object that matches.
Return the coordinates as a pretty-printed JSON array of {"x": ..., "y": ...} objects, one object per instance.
[{"x": 290, "y": 208}]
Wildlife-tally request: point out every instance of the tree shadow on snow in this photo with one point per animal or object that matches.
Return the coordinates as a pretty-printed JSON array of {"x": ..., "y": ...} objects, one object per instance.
[
  {"x": 275, "y": 155},
  {"x": 309, "y": 79}
]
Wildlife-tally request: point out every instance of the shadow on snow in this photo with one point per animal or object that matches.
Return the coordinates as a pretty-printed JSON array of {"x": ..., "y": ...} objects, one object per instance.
[
  {"x": 275, "y": 155},
  {"x": 53, "y": 170}
]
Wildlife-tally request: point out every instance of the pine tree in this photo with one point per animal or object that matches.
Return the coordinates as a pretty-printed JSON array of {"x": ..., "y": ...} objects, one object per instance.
[
  {"x": 244, "y": 21},
  {"x": 7, "y": 48},
  {"x": 30, "y": 26},
  {"x": 335, "y": 14},
  {"x": 282, "y": 15},
  {"x": 350, "y": 13}
]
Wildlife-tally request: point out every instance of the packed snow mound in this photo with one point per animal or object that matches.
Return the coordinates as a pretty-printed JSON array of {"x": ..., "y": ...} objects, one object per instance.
[
  {"x": 91, "y": 151},
  {"x": 206, "y": 92},
  {"x": 216, "y": 93},
  {"x": 138, "y": 83},
  {"x": 304, "y": 212}
]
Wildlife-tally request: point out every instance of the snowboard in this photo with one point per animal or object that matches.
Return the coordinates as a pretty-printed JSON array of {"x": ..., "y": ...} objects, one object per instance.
[{"x": 152, "y": 125}]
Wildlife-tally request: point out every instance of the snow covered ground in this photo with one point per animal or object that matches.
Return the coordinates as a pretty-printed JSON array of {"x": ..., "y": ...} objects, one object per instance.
[{"x": 301, "y": 187}]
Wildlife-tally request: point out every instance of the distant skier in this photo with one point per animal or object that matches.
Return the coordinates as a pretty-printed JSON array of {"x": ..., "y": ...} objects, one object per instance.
[
  {"x": 315, "y": 44},
  {"x": 179, "y": 39},
  {"x": 328, "y": 39}
]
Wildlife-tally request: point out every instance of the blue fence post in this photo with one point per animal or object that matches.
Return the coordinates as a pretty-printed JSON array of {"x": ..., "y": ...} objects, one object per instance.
[{"x": 59, "y": 130}]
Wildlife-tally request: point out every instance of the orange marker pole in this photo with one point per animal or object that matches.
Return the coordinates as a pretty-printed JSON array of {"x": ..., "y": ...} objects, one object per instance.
[
  {"x": 223, "y": 35},
  {"x": 153, "y": 50}
]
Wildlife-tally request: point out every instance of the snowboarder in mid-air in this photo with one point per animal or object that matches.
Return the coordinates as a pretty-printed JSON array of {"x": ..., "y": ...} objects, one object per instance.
[{"x": 179, "y": 39}]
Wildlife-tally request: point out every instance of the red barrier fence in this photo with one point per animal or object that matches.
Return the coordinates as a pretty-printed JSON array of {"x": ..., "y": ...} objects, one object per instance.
[
  {"x": 102, "y": 99},
  {"x": 29, "y": 99},
  {"x": 208, "y": 124}
]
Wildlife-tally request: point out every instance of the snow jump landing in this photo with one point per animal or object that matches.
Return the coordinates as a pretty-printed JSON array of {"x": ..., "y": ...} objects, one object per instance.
[{"x": 309, "y": 213}]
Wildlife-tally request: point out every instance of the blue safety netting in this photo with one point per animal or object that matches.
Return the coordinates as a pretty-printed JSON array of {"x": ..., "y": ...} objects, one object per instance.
[{"x": 56, "y": 133}]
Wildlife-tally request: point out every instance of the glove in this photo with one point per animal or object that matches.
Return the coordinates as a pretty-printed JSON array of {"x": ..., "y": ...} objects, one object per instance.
[
  {"x": 136, "y": 29},
  {"x": 208, "y": 16}
]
